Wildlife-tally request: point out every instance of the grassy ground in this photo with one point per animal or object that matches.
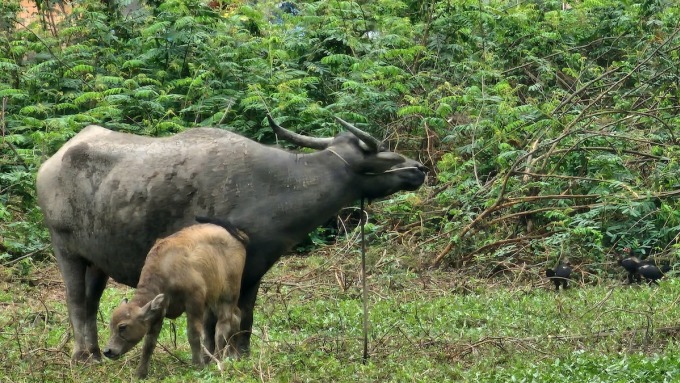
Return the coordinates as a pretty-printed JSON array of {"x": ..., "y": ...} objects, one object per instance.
[{"x": 426, "y": 326}]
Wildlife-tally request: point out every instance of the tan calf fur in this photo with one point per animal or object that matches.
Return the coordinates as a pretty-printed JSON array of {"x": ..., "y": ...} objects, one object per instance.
[{"x": 196, "y": 270}]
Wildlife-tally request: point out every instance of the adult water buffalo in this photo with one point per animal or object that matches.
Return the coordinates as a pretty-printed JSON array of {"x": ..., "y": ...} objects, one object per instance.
[{"x": 107, "y": 196}]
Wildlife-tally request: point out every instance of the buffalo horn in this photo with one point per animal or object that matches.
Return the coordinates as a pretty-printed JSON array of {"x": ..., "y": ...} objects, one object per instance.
[
  {"x": 369, "y": 140},
  {"x": 298, "y": 139}
]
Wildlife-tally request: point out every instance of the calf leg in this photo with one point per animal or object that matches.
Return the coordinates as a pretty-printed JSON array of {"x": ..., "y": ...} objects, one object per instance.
[
  {"x": 232, "y": 352},
  {"x": 222, "y": 329},
  {"x": 209, "y": 323},
  {"x": 150, "y": 341},
  {"x": 195, "y": 330},
  {"x": 246, "y": 305}
]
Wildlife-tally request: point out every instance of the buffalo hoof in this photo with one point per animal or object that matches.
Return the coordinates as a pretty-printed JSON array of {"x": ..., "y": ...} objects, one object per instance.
[
  {"x": 93, "y": 356},
  {"x": 142, "y": 372}
]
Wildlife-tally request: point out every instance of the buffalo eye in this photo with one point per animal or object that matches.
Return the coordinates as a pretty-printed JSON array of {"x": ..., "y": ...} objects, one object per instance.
[{"x": 122, "y": 327}]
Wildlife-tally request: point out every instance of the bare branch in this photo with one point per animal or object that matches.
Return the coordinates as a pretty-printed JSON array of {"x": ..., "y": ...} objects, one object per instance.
[
  {"x": 505, "y": 242},
  {"x": 540, "y": 210},
  {"x": 614, "y": 150}
]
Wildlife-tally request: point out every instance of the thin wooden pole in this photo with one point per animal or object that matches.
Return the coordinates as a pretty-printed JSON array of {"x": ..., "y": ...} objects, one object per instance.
[{"x": 363, "y": 280}]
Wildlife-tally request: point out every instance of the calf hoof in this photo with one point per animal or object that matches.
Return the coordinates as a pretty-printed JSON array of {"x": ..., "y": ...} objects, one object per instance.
[{"x": 233, "y": 353}]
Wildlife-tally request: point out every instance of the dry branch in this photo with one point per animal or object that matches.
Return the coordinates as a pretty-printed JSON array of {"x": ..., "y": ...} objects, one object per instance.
[
  {"x": 498, "y": 205},
  {"x": 516, "y": 200},
  {"x": 539, "y": 210},
  {"x": 504, "y": 242},
  {"x": 560, "y": 176},
  {"x": 614, "y": 150}
]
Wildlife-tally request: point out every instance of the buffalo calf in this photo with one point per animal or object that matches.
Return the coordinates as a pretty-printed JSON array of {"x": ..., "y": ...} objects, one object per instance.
[{"x": 197, "y": 270}]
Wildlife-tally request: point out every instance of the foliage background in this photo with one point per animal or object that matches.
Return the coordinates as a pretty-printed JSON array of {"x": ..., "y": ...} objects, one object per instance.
[{"x": 550, "y": 128}]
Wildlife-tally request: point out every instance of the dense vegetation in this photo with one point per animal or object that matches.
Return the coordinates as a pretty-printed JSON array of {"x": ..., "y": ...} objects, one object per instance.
[{"x": 550, "y": 128}]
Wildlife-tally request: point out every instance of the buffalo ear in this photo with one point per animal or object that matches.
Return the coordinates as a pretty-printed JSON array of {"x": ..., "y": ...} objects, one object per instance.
[{"x": 381, "y": 162}]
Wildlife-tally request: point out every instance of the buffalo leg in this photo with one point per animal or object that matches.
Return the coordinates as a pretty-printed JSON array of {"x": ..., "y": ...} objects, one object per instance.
[
  {"x": 95, "y": 283},
  {"x": 246, "y": 305},
  {"x": 73, "y": 270}
]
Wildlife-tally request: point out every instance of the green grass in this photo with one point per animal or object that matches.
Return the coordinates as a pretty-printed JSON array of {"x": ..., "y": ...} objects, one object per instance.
[{"x": 428, "y": 326}]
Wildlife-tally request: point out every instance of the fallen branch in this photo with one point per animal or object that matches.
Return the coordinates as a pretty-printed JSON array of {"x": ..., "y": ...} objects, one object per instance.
[{"x": 13, "y": 261}]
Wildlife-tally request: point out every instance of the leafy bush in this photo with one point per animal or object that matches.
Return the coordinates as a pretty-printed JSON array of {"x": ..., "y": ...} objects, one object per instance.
[{"x": 549, "y": 131}]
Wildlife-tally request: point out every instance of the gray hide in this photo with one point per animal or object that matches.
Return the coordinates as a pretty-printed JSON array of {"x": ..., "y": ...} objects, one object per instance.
[{"x": 107, "y": 196}]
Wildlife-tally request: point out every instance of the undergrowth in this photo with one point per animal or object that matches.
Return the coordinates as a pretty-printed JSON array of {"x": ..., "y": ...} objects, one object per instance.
[{"x": 424, "y": 326}]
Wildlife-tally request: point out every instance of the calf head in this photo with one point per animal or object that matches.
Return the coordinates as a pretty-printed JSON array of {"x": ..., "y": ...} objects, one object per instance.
[{"x": 130, "y": 323}]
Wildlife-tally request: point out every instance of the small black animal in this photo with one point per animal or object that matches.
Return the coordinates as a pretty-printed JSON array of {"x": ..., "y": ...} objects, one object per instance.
[
  {"x": 560, "y": 276},
  {"x": 631, "y": 264},
  {"x": 651, "y": 272}
]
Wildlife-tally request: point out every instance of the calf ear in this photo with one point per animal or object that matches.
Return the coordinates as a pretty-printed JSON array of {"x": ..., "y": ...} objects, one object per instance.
[
  {"x": 154, "y": 308},
  {"x": 157, "y": 302}
]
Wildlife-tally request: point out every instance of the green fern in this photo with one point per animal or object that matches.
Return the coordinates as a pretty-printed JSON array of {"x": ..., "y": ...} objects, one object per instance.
[
  {"x": 87, "y": 97},
  {"x": 14, "y": 94}
]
